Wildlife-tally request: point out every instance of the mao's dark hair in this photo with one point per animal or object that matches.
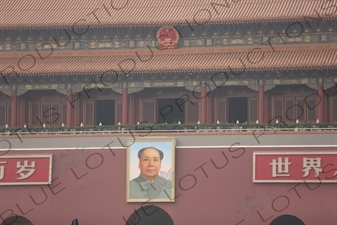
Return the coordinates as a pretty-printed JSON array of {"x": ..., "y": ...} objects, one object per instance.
[{"x": 140, "y": 152}]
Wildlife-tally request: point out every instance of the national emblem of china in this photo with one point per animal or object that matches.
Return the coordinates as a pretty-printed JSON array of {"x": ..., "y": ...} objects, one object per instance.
[{"x": 167, "y": 38}]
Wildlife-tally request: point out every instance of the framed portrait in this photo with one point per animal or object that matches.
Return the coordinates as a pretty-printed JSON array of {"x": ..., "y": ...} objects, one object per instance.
[{"x": 150, "y": 169}]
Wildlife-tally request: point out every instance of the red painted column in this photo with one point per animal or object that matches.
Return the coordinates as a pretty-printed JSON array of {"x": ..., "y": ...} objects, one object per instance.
[
  {"x": 132, "y": 109},
  {"x": 14, "y": 108},
  {"x": 320, "y": 99},
  {"x": 203, "y": 97},
  {"x": 209, "y": 109},
  {"x": 125, "y": 104},
  {"x": 78, "y": 113},
  {"x": 69, "y": 106},
  {"x": 22, "y": 111},
  {"x": 260, "y": 116},
  {"x": 136, "y": 116}
]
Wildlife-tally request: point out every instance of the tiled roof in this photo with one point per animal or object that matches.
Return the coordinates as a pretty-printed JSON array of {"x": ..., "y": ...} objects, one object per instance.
[
  {"x": 257, "y": 61},
  {"x": 63, "y": 13}
]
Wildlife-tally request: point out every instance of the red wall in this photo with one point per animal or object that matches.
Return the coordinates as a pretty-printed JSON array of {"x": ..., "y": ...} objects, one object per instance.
[{"x": 219, "y": 196}]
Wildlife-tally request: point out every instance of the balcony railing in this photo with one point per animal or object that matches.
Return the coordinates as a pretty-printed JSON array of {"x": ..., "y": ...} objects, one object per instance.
[{"x": 147, "y": 129}]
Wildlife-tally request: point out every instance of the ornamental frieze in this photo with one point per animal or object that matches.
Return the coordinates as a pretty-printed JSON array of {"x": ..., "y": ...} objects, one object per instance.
[
  {"x": 5, "y": 87},
  {"x": 268, "y": 87},
  {"x": 329, "y": 83},
  {"x": 167, "y": 38},
  {"x": 94, "y": 84},
  {"x": 192, "y": 85},
  {"x": 291, "y": 81},
  {"x": 130, "y": 90},
  {"x": 62, "y": 91},
  {"x": 6, "y": 92},
  {"x": 253, "y": 87},
  {"x": 164, "y": 84},
  {"x": 158, "y": 83},
  {"x": 118, "y": 90},
  {"x": 21, "y": 92},
  {"x": 130, "y": 44},
  {"x": 134, "y": 90},
  {"x": 313, "y": 86}
]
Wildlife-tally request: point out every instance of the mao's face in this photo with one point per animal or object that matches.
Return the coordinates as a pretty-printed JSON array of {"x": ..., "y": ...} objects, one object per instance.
[{"x": 150, "y": 164}]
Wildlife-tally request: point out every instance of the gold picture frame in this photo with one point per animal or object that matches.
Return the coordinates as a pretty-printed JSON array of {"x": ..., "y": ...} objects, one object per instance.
[{"x": 150, "y": 170}]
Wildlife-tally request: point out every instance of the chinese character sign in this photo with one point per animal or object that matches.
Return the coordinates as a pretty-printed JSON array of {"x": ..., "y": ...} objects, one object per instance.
[
  {"x": 24, "y": 170},
  {"x": 280, "y": 167},
  {"x": 289, "y": 167}
]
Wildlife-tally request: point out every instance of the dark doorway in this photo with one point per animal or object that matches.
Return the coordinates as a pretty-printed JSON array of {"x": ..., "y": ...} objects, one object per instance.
[
  {"x": 171, "y": 110},
  {"x": 105, "y": 112},
  {"x": 150, "y": 215},
  {"x": 16, "y": 220},
  {"x": 287, "y": 219},
  {"x": 237, "y": 110}
]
